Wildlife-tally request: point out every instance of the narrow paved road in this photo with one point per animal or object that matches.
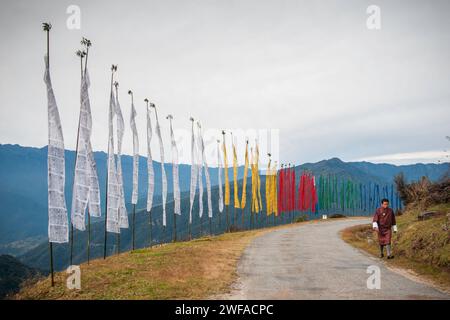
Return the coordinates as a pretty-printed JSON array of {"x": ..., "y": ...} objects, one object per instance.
[{"x": 311, "y": 261}]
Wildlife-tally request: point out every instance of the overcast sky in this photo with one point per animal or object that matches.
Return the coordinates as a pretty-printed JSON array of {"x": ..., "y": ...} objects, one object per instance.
[{"x": 311, "y": 69}]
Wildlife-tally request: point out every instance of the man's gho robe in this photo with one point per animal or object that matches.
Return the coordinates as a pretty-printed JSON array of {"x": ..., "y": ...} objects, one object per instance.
[{"x": 384, "y": 220}]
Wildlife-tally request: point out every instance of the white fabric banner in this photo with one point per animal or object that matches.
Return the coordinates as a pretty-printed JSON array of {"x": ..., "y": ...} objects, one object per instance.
[
  {"x": 113, "y": 187},
  {"x": 163, "y": 171},
  {"x": 205, "y": 166},
  {"x": 175, "y": 175},
  {"x": 58, "y": 222},
  {"x": 85, "y": 186},
  {"x": 134, "y": 197},
  {"x": 123, "y": 214},
  {"x": 200, "y": 174},
  {"x": 94, "y": 191},
  {"x": 150, "y": 171},
  {"x": 193, "y": 185},
  {"x": 219, "y": 178}
]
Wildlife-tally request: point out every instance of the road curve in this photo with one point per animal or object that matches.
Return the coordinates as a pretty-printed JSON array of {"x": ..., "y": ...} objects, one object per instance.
[{"x": 311, "y": 261}]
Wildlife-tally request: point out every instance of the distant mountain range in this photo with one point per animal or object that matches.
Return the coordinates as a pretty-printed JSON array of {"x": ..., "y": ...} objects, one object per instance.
[{"x": 23, "y": 189}]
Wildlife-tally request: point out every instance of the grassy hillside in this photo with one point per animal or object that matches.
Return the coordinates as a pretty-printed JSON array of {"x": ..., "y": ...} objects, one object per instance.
[
  {"x": 185, "y": 270},
  {"x": 12, "y": 274},
  {"x": 420, "y": 246}
]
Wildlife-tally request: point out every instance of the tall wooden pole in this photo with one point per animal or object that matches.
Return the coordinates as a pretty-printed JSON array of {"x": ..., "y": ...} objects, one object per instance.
[
  {"x": 150, "y": 211},
  {"x": 113, "y": 68},
  {"x": 174, "y": 235},
  {"x": 174, "y": 227},
  {"x": 46, "y": 27},
  {"x": 118, "y": 242},
  {"x": 151, "y": 226},
  {"x": 72, "y": 231},
  {"x": 134, "y": 225},
  {"x": 228, "y": 220},
  {"x": 89, "y": 238},
  {"x": 133, "y": 234},
  {"x": 210, "y": 227},
  {"x": 87, "y": 44}
]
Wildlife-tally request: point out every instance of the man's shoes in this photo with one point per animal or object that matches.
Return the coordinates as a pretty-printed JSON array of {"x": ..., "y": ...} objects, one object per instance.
[
  {"x": 381, "y": 255},
  {"x": 390, "y": 257}
]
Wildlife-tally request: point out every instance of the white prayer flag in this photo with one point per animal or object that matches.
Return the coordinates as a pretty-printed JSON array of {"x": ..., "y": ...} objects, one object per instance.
[
  {"x": 163, "y": 171},
  {"x": 176, "y": 181},
  {"x": 134, "y": 196},
  {"x": 58, "y": 224},
  {"x": 113, "y": 187},
  {"x": 199, "y": 164},
  {"x": 151, "y": 174},
  {"x": 219, "y": 178},
  {"x": 205, "y": 166},
  {"x": 193, "y": 185},
  {"x": 123, "y": 214},
  {"x": 85, "y": 187}
]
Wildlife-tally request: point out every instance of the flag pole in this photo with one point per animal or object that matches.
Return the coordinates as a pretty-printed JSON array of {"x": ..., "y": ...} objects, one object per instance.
[
  {"x": 116, "y": 86},
  {"x": 134, "y": 205},
  {"x": 81, "y": 54},
  {"x": 226, "y": 206},
  {"x": 151, "y": 225},
  {"x": 113, "y": 68},
  {"x": 89, "y": 238},
  {"x": 134, "y": 224},
  {"x": 150, "y": 211},
  {"x": 47, "y": 27},
  {"x": 174, "y": 236}
]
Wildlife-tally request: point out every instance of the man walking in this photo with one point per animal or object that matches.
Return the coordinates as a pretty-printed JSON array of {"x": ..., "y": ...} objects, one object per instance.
[{"x": 383, "y": 223}]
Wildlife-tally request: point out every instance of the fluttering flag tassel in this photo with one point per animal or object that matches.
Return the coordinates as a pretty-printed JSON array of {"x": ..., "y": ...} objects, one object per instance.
[
  {"x": 274, "y": 201},
  {"x": 258, "y": 179},
  {"x": 150, "y": 170},
  {"x": 199, "y": 165},
  {"x": 207, "y": 178},
  {"x": 134, "y": 195},
  {"x": 193, "y": 185},
  {"x": 112, "y": 185},
  {"x": 122, "y": 211},
  {"x": 86, "y": 187},
  {"x": 269, "y": 187},
  {"x": 227, "y": 180},
  {"x": 175, "y": 179},
  {"x": 219, "y": 177},
  {"x": 237, "y": 205},
  {"x": 244, "y": 185},
  {"x": 58, "y": 224},
  {"x": 163, "y": 170},
  {"x": 123, "y": 214}
]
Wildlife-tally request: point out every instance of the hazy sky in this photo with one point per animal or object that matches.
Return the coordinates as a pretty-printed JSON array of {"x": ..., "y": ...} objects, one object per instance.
[{"x": 311, "y": 69}]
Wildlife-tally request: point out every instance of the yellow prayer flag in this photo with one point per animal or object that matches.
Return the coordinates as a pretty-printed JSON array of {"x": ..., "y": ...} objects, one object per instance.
[
  {"x": 268, "y": 190},
  {"x": 235, "y": 178},
  {"x": 244, "y": 183},
  {"x": 258, "y": 181}
]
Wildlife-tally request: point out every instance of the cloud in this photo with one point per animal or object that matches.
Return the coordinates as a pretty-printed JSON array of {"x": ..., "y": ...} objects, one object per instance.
[{"x": 430, "y": 156}]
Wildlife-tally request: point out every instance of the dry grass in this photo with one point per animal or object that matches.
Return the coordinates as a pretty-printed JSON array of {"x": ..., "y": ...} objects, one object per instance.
[
  {"x": 420, "y": 247},
  {"x": 185, "y": 270}
]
